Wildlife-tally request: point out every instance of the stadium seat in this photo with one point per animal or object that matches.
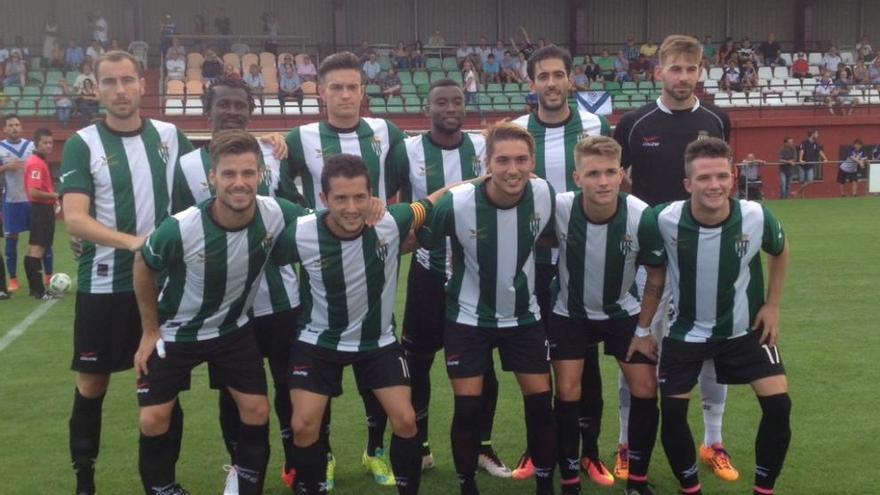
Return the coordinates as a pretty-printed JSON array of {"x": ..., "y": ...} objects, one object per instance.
[
  {"x": 420, "y": 77},
  {"x": 31, "y": 92},
  {"x": 805, "y": 97},
  {"x": 621, "y": 102},
  {"x": 704, "y": 75},
  {"x": 384, "y": 63},
  {"x": 765, "y": 73},
  {"x": 271, "y": 86},
  {"x": 12, "y": 93},
  {"x": 511, "y": 88},
  {"x": 271, "y": 106},
  {"x": 809, "y": 84},
  {"x": 646, "y": 87},
  {"x": 776, "y": 86},
  {"x": 579, "y": 60},
  {"x": 394, "y": 104},
  {"x": 174, "y": 106},
  {"x": 756, "y": 98},
  {"x": 780, "y": 72},
  {"x": 408, "y": 89},
  {"x": 629, "y": 88},
  {"x": 248, "y": 59},
  {"x": 710, "y": 86},
  {"x": 423, "y": 89},
  {"x": 847, "y": 57},
  {"x": 500, "y": 103},
  {"x": 637, "y": 100},
  {"x": 793, "y": 84},
  {"x": 374, "y": 90},
  {"x": 233, "y": 59},
  {"x": 292, "y": 108},
  {"x": 722, "y": 99},
  {"x": 46, "y": 106},
  {"x": 436, "y": 75},
  {"x": 786, "y": 57},
  {"x": 484, "y": 102},
  {"x": 377, "y": 106},
  {"x": 814, "y": 58},
  {"x": 52, "y": 77},
  {"x": 405, "y": 77},
  {"x": 175, "y": 88},
  {"x": 738, "y": 99},
  {"x": 194, "y": 59},
  {"x": 773, "y": 100},
  {"x": 309, "y": 88},
  {"x": 194, "y": 88},
  {"x": 9, "y": 106},
  {"x": 494, "y": 88},
  {"x": 517, "y": 103},
  {"x": 27, "y": 107},
  {"x": 716, "y": 73},
  {"x": 267, "y": 59},
  {"x": 193, "y": 106},
  {"x": 413, "y": 104},
  {"x": 873, "y": 96},
  {"x": 455, "y": 76},
  {"x": 140, "y": 51},
  {"x": 433, "y": 63},
  {"x": 814, "y": 70},
  {"x": 194, "y": 74},
  {"x": 790, "y": 99},
  {"x": 310, "y": 106},
  {"x": 450, "y": 63}
]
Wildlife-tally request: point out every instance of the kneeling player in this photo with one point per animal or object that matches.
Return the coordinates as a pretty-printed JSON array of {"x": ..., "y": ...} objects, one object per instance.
[
  {"x": 603, "y": 235},
  {"x": 348, "y": 288},
  {"x": 213, "y": 257},
  {"x": 713, "y": 246},
  {"x": 493, "y": 226}
]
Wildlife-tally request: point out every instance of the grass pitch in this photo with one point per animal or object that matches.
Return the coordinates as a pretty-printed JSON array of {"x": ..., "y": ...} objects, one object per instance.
[{"x": 827, "y": 344}]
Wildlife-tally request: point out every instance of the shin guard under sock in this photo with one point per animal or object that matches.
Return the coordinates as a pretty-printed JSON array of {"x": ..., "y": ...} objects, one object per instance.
[
  {"x": 406, "y": 462},
  {"x": 251, "y": 458},
  {"x": 230, "y": 423},
  {"x": 541, "y": 430},
  {"x": 156, "y": 462},
  {"x": 569, "y": 435},
  {"x": 311, "y": 469},
  {"x": 644, "y": 418},
  {"x": 465, "y": 435},
  {"x": 85, "y": 438},
  {"x": 591, "y": 404},
  {"x": 678, "y": 442},
  {"x": 771, "y": 444}
]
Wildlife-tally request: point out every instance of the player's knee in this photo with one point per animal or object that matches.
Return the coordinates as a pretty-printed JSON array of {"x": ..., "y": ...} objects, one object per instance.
[
  {"x": 305, "y": 429},
  {"x": 154, "y": 420},
  {"x": 254, "y": 411},
  {"x": 468, "y": 409},
  {"x": 403, "y": 422},
  {"x": 643, "y": 386},
  {"x": 776, "y": 408},
  {"x": 568, "y": 391},
  {"x": 92, "y": 385}
]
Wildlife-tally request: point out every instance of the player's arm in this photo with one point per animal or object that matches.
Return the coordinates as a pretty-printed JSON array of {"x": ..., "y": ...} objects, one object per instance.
[
  {"x": 41, "y": 194},
  {"x": 11, "y": 166},
  {"x": 776, "y": 246},
  {"x": 822, "y": 155},
  {"x": 80, "y": 224},
  {"x": 146, "y": 290},
  {"x": 652, "y": 255},
  {"x": 278, "y": 143}
]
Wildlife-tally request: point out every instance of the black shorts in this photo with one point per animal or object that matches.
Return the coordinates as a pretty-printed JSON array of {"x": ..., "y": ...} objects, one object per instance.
[
  {"x": 842, "y": 178},
  {"x": 234, "y": 358},
  {"x": 737, "y": 361},
  {"x": 544, "y": 274},
  {"x": 522, "y": 349},
  {"x": 106, "y": 332},
  {"x": 319, "y": 370},
  {"x": 274, "y": 334},
  {"x": 571, "y": 337},
  {"x": 42, "y": 225},
  {"x": 425, "y": 314}
]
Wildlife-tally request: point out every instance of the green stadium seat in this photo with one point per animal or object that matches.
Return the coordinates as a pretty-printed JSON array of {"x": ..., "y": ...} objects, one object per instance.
[
  {"x": 621, "y": 102},
  {"x": 405, "y": 77},
  {"x": 407, "y": 89},
  {"x": 437, "y": 75},
  {"x": 579, "y": 60},
  {"x": 612, "y": 86},
  {"x": 52, "y": 77},
  {"x": 46, "y": 107},
  {"x": 27, "y": 107},
  {"x": 36, "y": 63},
  {"x": 385, "y": 62},
  {"x": 629, "y": 88},
  {"x": 517, "y": 102},
  {"x": 374, "y": 89},
  {"x": 413, "y": 104},
  {"x": 434, "y": 63},
  {"x": 420, "y": 77},
  {"x": 455, "y": 76},
  {"x": 484, "y": 102},
  {"x": 638, "y": 100},
  {"x": 12, "y": 93},
  {"x": 450, "y": 63},
  {"x": 524, "y": 87},
  {"x": 32, "y": 91},
  {"x": 395, "y": 104},
  {"x": 423, "y": 89},
  {"x": 500, "y": 103},
  {"x": 646, "y": 87},
  {"x": 494, "y": 88},
  {"x": 511, "y": 88},
  {"x": 377, "y": 106},
  {"x": 8, "y": 105}
]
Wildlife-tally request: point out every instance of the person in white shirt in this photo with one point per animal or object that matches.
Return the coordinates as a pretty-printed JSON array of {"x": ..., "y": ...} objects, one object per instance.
[
  {"x": 372, "y": 69},
  {"x": 254, "y": 79},
  {"x": 100, "y": 28},
  {"x": 175, "y": 67}
]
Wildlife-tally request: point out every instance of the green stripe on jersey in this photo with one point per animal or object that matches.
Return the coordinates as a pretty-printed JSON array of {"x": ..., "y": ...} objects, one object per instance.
[
  {"x": 333, "y": 280},
  {"x": 125, "y": 212}
]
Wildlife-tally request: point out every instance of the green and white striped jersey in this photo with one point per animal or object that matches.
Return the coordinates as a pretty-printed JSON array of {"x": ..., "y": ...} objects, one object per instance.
[
  {"x": 372, "y": 140},
  {"x": 279, "y": 288},
  {"x": 129, "y": 179},
  {"x": 427, "y": 168},
  {"x": 554, "y": 151},
  {"x": 348, "y": 286},
  {"x": 715, "y": 272},
  {"x": 210, "y": 272},
  {"x": 597, "y": 262},
  {"x": 493, "y": 253}
]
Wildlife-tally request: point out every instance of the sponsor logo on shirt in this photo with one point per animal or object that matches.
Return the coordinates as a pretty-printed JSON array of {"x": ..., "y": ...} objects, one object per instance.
[
  {"x": 742, "y": 245},
  {"x": 651, "y": 142},
  {"x": 103, "y": 270},
  {"x": 702, "y": 135},
  {"x": 164, "y": 151},
  {"x": 109, "y": 160},
  {"x": 381, "y": 249},
  {"x": 478, "y": 234}
]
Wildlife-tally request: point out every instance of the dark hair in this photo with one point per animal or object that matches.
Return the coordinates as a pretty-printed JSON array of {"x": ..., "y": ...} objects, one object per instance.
[
  {"x": 506, "y": 131},
  {"x": 443, "y": 83},
  {"x": 343, "y": 165},
  {"x": 119, "y": 56},
  {"x": 9, "y": 116},
  {"x": 233, "y": 142},
  {"x": 546, "y": 53},
  {"x": 338, "y": 61},
  {"x": 856, "y": 141},
  {"x": 811, "y": 132},
  {"x": 41, "y": 132},
  {"x": 229, "y": 82},
  {"x": 709, "y": 147}
]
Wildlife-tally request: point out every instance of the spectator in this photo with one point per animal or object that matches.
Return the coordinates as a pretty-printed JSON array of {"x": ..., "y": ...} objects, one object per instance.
[
  {"x": 100, "y": 29},
  {"x": 749, "y": 78},
  {"x": 483, "y": 50},
  {"x": 522, "y": 67},
  {"x": 254, "y": 79},
  {"x": 831, "y": 60},
  {"x": 85, "y": 73},
  {"x": 591, "y": 69},
  {"x": 464, "y": 50},
  {"x": 200, "y": 25},
  {"x": 20, "y": 48},
  {"x": 864, "y": 51},
  {"x": 750, "y": 178},
  {"x": 4, "y": 54},
  {"x": 212, "y": 67},
  {"x": 306, "y": 69},
  {"x": 788, "y": 156},
  {"x": 860, "y": 75},
  {"x": 630, "y": 50},
  {"x": 769, "y": 51},
  {"x": 640, "y": 69},
  {"x": 826, "y": 92},
  {"x": 175, "y": 67},
  {"x": 579, "y": 80},
  {"x": 391, "y": 85},
  {"x": 418, "y": 59},
  {"x": 874, "y": 73},
  {"x": 509, "y": 68},
  {"x": 800, "y": 68},
  {"x": 16, "y": 71},
  {"x": 649, "y": 49},
  {"x": 436, "y": 40},
  {"x": 471, "y": 82},
  {"x": 73, "y": 55},
  {"x": 810, "y": 155},
  {"x": 371, "y": 70},
  {"x": 726, "y": 52},
  {"x": 710, "y": 51},
  {"x": 402, "y": 57},
  {"x": 167, "y": 30},
  {"x": 175, "y": 48},
  {"x": 491, "y": 70},
  {"x": 855, "y": 160},
  {"x": 732, "y": 78},
  {"x": 95, "y": 51},
  {"x": 50, "y": 36},
  {"x": 527, "y": 48},
  {"x": 271, "y": 29},
  {"x": 286, "y": 59},
  {"x": 746, "y": 51},
  {"x": 843, "y": 84},
  {"x": 498, "y": 50},
  {"x": 290, "y": 86},
  {"x": 115, "y": 45},
  {"x": 56, "y": 61},
  {"x": 621, "y": 68},
  {"x": 63, "y": 103},
  {"x": 606, "y": 65},
  {"x": 365, "y": 51},
  {"x": 87, "y": 102}
]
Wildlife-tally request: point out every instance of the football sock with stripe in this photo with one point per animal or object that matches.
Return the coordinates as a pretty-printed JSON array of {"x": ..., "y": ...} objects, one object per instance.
[
  {"x": 406, "y": 462},
  {"x": 774, "y": 436},
  {"x": 569, "y": 434},
  {"x": 591, "y": 404},
  {"x": 678, "y": 442},
  {"x": 85, "y": 438},
  {"x": 644, "y": 418},
  {"x": 541, "y": 435}
]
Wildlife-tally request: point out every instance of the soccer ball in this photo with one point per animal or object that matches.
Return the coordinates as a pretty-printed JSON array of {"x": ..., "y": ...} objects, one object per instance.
[{"x": 60, "y": 283}]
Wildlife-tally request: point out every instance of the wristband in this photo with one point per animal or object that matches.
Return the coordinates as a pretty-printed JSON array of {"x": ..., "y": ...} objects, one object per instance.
[{"x": 642, "y": 331}]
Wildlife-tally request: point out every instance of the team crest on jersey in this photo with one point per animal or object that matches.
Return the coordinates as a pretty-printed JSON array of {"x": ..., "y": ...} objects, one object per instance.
[
  {"x": 626, "y": 245},
  {"x": 266, "y": 243},
  {"x": 535, "y": 224},
  {"x": 376, "y": 143},
  {"x": 478, "y": 165},
  {"x": 742, "y": 245},
  {"x": 381, "y": 249},
  {"x": 164, "y": 151}
]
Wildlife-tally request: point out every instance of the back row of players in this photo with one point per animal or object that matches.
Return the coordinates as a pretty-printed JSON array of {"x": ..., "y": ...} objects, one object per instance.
[{"x": 480, "y": 280}]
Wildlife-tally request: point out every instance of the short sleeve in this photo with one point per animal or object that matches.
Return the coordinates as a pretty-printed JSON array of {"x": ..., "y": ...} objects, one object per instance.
[
  {"x": 76, "y": 175},
  {"x": 33, "y": 175},
  {"x": 164, "y": 246},
  {"x": 181, "y": 195},
  {"x": 291, "y": 211},
  {"x": 774, "y": 236},
  {"x": 438, "y": 225},
  {"x": 184, "y": 145},
  {"x": 286, "y": 185},
  {"x": 284, "y": 252},
  {"x": 651, "y": 249},
  {"x": 393, "y": 179},
  {"x": 397, "y": 167}
]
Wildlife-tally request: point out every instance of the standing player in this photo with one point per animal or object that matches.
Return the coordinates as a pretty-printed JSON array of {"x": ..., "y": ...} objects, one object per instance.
[
  {"x": 557, "y": 127},
  {"x": 41, "y": 193},
  {"x": 115, "y": 181},
  {"x": 340, "y": 85},
  {"x": 653, "y": 139},
  {"x": 427, "y": 163},
  {"x": 349, "y": 285},
  {"x": 603, "y": 235},
  {"x": 493, "y": 226},
  {"x": 211, "y": 258},
  {"x": 14, "y": 152},
  {"x": 713, "y": 246},
  {"x": 229, "y": 104}
]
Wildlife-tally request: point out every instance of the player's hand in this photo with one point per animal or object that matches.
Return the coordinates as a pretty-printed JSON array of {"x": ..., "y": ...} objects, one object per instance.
[
  {"x": 647, "y": 345},
  {"x": 136, "y": 243},
  {"x": 17, "y": 165},
  {"x": 76, "y": 247},
  {"x": 768, "y": 321},
  {"x": 377, "y": 211},
  {"x": 279, "y": 145},
  {"x": 149, "y": 342}
]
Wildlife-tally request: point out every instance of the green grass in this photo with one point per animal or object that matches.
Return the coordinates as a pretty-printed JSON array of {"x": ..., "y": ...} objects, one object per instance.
[{"x": 828, "y": 347}]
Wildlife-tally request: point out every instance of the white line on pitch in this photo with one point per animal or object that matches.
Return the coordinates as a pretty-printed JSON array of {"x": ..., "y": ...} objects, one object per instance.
[{"x": 25, "y": 324}]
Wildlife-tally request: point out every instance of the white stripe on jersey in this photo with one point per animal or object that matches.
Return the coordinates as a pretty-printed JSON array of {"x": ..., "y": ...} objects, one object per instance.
[
  {"x": 752, "y": 226},
  {"x": 594, "y": 269},
  {"x": 192, "y": 237},
  {"x": 463, "y": 201},
  {"x": 669, "y": 230},
  {"x": 355, "y": 274},
  {"x": 104, "y": 201},
  {"x": 505, "y": 294},
  {"x": 194, "y": 172},
  {"x": 554, "y": 158},
  {"x": 707, "y": 279},
  {"x": 142, "y": 183}
]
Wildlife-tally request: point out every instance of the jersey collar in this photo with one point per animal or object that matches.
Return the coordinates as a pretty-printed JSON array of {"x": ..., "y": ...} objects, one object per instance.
[{"x": 663, "y": 108}]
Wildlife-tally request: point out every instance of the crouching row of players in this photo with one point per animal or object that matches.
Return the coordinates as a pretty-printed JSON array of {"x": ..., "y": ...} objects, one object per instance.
[{"x": 705, "y": 250}]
